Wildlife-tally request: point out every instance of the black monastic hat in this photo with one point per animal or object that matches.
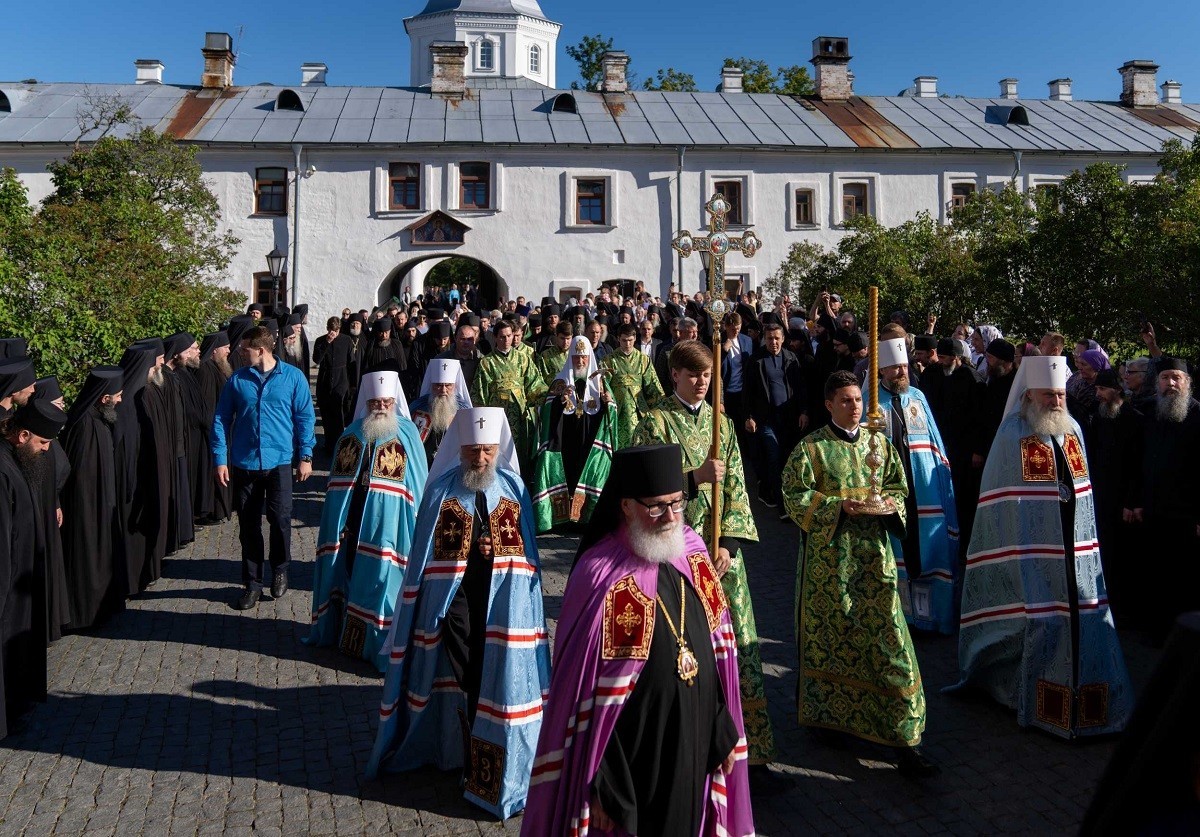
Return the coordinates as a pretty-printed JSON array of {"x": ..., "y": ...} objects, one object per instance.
[
  {"x": 41, "y": 418},
  {"x": 15, "y": 374}
]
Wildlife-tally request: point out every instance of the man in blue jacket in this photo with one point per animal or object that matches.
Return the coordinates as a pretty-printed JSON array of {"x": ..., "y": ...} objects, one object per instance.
[{"x": 266, "y": 412}]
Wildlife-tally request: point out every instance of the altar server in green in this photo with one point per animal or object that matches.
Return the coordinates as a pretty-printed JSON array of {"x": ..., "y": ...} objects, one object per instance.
[
  {"x": 508, "y": 378},
  {"x": 634, "y": 383},
  {"x": 857, "y": 670},
  {"x": 577, "y": 439},
  {"x": 685, "y": 418}
]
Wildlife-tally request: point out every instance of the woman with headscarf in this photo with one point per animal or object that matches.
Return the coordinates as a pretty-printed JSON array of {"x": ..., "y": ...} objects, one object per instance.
[{"x": 1082, "y": 400}]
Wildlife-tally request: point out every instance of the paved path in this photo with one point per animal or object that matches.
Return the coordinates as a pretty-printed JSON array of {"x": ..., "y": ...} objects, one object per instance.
[{"x": 184, "y": 716}]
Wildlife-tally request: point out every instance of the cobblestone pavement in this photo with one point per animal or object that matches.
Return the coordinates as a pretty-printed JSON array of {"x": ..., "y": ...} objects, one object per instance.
[{"x": 184, "y": 716}]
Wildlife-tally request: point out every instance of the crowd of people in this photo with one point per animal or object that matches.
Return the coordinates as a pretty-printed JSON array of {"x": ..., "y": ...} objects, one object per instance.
[{"x": 457, "y": 434}]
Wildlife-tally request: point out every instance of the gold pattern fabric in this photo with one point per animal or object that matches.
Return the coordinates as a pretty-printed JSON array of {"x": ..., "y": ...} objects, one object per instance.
[
  {"x": 514, "y": 383},
  {"x": 550, "y": 363},
  {"x": 635, "y": 388},
  {"x": 858, "y": 670},
  {"x": 671, "y": 422}
]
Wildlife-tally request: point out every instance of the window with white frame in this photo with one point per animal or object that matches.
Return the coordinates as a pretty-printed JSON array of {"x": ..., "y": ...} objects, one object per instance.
[
  {"x": 856, "y": 200},
  {"x": 487, "y": 55},
  {"x": 591, "y": 201},
  {"x": 535, "y": 60},
  {"x": 475, "y": 185},
  {"x": 804, "y": 207},
  {"x": 734, "y": 194}
]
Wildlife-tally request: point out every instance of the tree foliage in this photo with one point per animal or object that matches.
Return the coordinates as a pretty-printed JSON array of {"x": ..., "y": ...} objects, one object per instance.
[
  {"x": 671, "y": 80},
  {"x": 1093, "y": 256},
  {"x": 758, "y": 77},
  {"x": 127, "y": 245},
  {"x": 589, "y": 55}
]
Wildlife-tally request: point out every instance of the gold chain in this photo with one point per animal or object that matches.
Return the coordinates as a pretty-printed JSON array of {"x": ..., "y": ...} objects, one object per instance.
[{"x": 679, "y": 635}]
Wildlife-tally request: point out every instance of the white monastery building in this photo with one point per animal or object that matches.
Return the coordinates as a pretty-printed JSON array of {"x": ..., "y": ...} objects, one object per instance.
[{"x": 484, "y": 157}]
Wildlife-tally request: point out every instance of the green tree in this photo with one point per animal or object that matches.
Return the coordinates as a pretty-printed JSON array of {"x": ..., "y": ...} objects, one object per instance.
[
  {"x": 795, "y": 81},
  {"x": 671, "y": 80},
  {"x": 126, "y": 245},
  {"x": 758, "y": 77},
  {"x": 589, "y": 55}
]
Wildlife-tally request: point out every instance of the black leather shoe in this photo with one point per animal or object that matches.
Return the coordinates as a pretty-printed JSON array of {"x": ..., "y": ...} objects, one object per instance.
[
  {"x": 278, "y": 585},
  {"x": 248, "y": 600},
  {"x": 911, "y": 762}
]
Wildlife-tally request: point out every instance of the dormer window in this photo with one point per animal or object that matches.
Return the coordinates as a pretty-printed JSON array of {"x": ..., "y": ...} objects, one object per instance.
[
  {"x": 5, "y": 105},
  {"x": 487, "y": 55},
  {"x": 564, "y": 103},
  {"x": 535, "y": 60},
  {"x": 289, "y": 100}
]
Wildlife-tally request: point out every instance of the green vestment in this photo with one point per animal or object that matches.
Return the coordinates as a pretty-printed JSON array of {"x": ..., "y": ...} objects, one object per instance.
[
  {"x": 636, "y": 389},
  {"x": 555, "y": 501},
  {"x": 550, "y": 362},
  {"x": 672, "y": 423},
  {"x": 513, "y": 382},
  {"x": 857, "y": 671}
]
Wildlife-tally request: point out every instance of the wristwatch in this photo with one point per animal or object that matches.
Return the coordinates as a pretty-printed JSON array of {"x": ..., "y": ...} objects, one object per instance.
[{"x": 307, "y": 459}]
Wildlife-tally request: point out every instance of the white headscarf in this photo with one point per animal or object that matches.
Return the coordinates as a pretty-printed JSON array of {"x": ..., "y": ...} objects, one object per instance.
[
  {"x": 1035, "y": 373},
  {"x": 380, "y": 385},
  {"x": 445, "y": 370},
  {"x": 475, "y": 426},
  {"x": 582, "y": 346}
]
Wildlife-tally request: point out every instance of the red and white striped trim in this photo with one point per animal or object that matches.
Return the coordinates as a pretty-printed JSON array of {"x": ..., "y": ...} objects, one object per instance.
[
  {"x": 445, "y": 568},
  {"x": 1000, "y": 495},
  {"x": 327, "y": 549},
  {"x": 613, "y": 691},
  {"x": 383, "y": 622},
  {"x": 1086, "y": 547},
  {"x": 1015, "y": 553},
  {"x": 930, "y": 511},
  {"x": 340, "y": 484},
  {"x": 386, "y": 709},
  {"x": 391, "y": 488},
  {"x": 515, "y": 567},
  {"x": 928, "y": 447},
  {"x": 514, "y": 637},
  {"x": 512, "y": 714},
  {"x": 427, "y": 639},
  {"x": 1039, "y": 610},
  {"x": 384, "y": 554}
]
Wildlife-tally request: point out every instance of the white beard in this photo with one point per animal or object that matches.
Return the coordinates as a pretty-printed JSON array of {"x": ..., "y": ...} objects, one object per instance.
[
  {"x": 291, "y": 348},
  {"x": 1173, "y": 407},
  {"x": 379, "y": 426},
  {"x": 579, "y": 374},
  {"x": 1053, "y": 422},
  {"x": 659, "y": 545},
  {"x": 480, "y": 480},
  {"x": 156, "y": 377},
  {"x": 441, "y": 412}
]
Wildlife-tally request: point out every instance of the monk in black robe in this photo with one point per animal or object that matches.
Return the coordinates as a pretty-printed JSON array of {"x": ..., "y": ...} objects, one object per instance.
[
  {"x": 214, "y": 503},
  {"x": 180, "y": 530},
  {"x": 386, "y": 352},
  {"x": 153, "y": 478},
  {"x": 23, "y": 626},
  {"x": 289, "y": 348},
  {"x": 300, "y": 315},
  {"x": 89, "y": 500},
  {"x": 129, "y": 545},
  {"x": 46, "y": 480}
]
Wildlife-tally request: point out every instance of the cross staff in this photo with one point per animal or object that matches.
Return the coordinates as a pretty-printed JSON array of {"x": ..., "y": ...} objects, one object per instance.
[{"x": 718, "y": 243}]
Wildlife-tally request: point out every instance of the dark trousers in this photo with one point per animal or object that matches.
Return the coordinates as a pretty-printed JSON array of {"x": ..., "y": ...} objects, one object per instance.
[
  {"x": 256, "y": 493},
  {"x": 775, "y": 444}
]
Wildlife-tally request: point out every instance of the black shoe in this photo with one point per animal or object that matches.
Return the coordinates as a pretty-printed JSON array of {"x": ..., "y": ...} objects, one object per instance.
[
  {"x": 248, "y": 600},
  {"x": 911, "y": 762},
  {"x": 279, "y": 585}
]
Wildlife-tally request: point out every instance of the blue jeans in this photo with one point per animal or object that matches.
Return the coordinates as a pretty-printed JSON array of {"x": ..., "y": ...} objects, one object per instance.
[
  {"x": 775, "y": 444},
  {"x": 256, "y": 493}
]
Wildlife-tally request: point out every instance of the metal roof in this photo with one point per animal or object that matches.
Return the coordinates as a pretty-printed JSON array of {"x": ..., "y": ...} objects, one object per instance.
[
  {"x": 492, "y": 7},
  {"x": 523, "y": 114}
]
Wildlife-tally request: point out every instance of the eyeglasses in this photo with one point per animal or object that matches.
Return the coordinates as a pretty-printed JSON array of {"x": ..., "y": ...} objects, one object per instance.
[{"x": 657, "y": 510}]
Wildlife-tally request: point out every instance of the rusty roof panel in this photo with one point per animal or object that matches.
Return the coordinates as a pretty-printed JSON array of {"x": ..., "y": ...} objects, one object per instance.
[
  {"x": 1167, "y": 117},
  {"x": 865, "y": 125},
  {"x": 194, "y": 110}
]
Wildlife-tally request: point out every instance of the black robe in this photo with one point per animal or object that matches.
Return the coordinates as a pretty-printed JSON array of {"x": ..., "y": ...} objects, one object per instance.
[
  {"x": 151, "y": 507},
  {"x": 670, "y": 736},
  {"x": 337, "y": 384},
  {"x": 573, "y": 434},
  {"x": 22, "y": 646},
  {"x": 55, "y": 601},
  {"x": 391, "y": 357},
  {"x": 199, "y": 468},
  {"x": 214, "y": 501},
  {"x": 179, "y": 511},
  {"x": 1114, "y": 456},
  {"x": 89, "y": 502}
]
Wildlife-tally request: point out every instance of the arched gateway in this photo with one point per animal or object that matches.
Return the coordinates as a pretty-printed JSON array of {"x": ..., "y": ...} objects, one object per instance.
[{"x": 441, "y": 268}]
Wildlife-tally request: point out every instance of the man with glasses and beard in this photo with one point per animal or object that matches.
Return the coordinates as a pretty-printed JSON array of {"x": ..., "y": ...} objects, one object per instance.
[
  {"x": 1167, "y": 504},
  {"x": 643, "y": 649},
  {"x": 1036, "y": 632},
  {"x": 89, "y": 500},
  {"x": 375, "y": 486},
  {"x": 443, "y": 393},
  {"x": 25, "y": 441},
  {"x": 470, "y": 608}
]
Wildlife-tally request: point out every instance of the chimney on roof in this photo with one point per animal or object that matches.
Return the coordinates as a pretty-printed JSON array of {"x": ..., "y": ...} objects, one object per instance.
[
  {"x": 1139, "y": 84},
  {"x": 614, "y": 65},
  {"x": 831, "y": 58},
  {"x": 926, "y": 87},
  {"x": 149, "y": 71},
  {"x": 312, "y": 74},
  {"x": 1172, "y": 93},
  {"x": 218, "y": 61},
  {"x": 449, "y": 69},
  {"x": 1060, "y": 90},
  {"x": 1008, "y": 88},
  {"x": 731, "y": 79}
]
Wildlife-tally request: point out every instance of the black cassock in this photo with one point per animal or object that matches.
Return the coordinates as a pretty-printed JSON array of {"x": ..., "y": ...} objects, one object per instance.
[
  {"x": 199, "y": 467},
  {"x": 393, "y": 357},
  {"x": 573, "y": 434},
  {"x": 337, "y": 382},
  {"x": 155, "y": 474},
  {"x": 670, "y": 736},
  {"x": 465, "y": 627},
  {"x": 54, "y": 602},
  {"x": 89, "y": 502},
  {"x": 214, "y": 501},
  {"x": 22, "y": 645},
  {"x": 179, "y": 510}
]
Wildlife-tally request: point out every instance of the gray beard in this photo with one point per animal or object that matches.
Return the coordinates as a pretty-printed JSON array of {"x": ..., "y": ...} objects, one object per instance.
[
  {"x": 108, "y": 412},
  {"x": 383, "y": 341},
  {"x": 1109, "y": 411},
  {"x": 1047, "y": 422},
  {"x": 658, "y": 546},
  {"x": 224, "y": 365},
  {"x": 192, "y": 362},
  {"x": 475, "y": 481},
  {"x": 441, "y": 412},
  {"x": 579, "y": 375},
  {"x": 1173, "y": 407},
  {"x": 157, "y": 378},
  {"x": 292, "y": 350},
  {"x": 376, "y": 428}
]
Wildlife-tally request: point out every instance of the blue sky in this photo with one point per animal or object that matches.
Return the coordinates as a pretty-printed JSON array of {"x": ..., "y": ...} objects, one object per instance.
[{"x": 969, "y": 45}]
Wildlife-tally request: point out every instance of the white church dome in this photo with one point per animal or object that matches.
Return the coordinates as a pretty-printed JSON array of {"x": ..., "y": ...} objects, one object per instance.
[{"x": 499, "y": 7}]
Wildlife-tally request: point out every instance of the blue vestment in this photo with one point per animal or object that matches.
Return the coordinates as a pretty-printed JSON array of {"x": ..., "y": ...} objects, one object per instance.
[
  {"x": 355, "y": 613},
  {"x": 419, "y": 719}
]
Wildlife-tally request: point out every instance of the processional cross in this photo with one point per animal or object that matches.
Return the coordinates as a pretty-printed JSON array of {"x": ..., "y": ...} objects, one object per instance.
[{"x": 718, "y": 243}]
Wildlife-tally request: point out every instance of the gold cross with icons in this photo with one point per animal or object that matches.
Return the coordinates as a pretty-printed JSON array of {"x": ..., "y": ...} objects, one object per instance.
[{"x": 718, "y": 243}]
